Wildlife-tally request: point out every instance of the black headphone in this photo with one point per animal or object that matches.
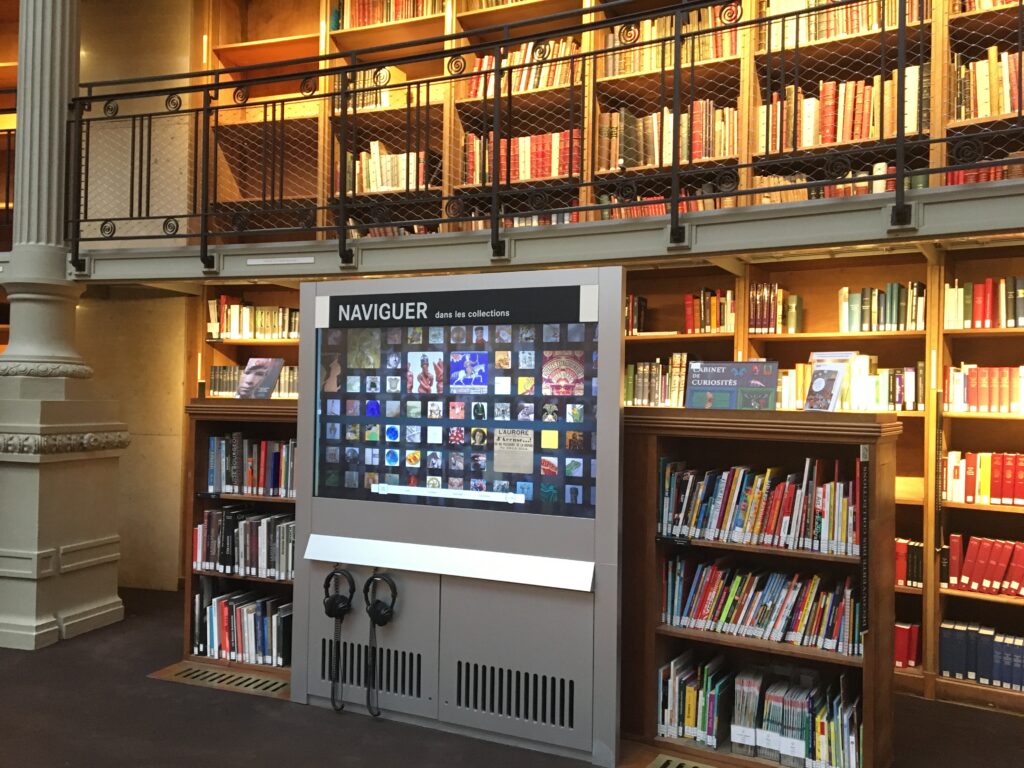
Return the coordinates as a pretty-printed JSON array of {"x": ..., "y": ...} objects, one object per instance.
[
  {"x": 380, "y": 612},
  {"x": 338, "y": 605}
]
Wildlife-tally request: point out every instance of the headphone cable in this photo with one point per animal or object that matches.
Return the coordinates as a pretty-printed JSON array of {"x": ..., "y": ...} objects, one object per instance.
[
  {"x": 372, "y": 690},
  {"x": 337, "y": 684}
]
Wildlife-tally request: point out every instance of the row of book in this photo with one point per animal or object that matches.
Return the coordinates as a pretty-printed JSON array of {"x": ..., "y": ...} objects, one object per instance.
[
  {"x": 237, "y": 539},
  {"x": 896, "y": 307},
  {"x": 626, "y": 141},
  {"x": 233, "y": 319},
  {"x": 709, "y": 310},
  {"x": 970, "y": 388},
  {"x": 770, "y": 309},
  {"x": 381, "y": 170},
  {"x": 646, "y": 45},
  {"x": 523, "y": 158},
  {"x": 528, "y": 67},
  {"x": 995, "y": 302},
  {"x": 968, "y": 6},
  {"x": 981, "y": 655},
  {"x": 987, "y": 87},
  {"x": 224, "y": 380},
  {"x": 814, "y": 509},
  {"x": 907, "y": 645},
  {"x": 250, "y": 626},
  {"x": 824, "y": 22},
  {"x": 864, "y": 386},
  {"x": 240, "y": 464},
  {"x": 775, "y": 607},
  {"x": 635, "y": 313},
  {"x": 509, "y": 221},
  {"x": 695, "y": 698},
  {"x": 988, "y": 566},
  {"x": 363, "y": 13},
  {"x": 983, "y": 478},
  {"x": 691, "y": 202},
  {"x": 851, "y": 111},
  {"x": 1013, "y": 170},
  {"x": 657, "y": 383},
  {"x": 909, "y": 563},
  {"x": 789, "y": 188}
]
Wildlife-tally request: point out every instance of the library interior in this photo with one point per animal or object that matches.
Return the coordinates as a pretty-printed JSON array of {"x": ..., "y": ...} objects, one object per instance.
[{"x": 318, "y": 317}]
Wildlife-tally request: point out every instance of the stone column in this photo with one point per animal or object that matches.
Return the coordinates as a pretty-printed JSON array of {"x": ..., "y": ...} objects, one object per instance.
[{"x": 59, "y": 444}]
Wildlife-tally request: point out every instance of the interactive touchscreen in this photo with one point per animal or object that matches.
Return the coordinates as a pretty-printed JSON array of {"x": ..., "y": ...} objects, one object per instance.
[{"x": 480, "y": 399}]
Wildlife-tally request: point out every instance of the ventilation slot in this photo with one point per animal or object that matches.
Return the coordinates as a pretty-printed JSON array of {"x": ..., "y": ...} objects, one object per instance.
[
  {"x": 543, "y": 699},
  {"x": 273, "y": 683},
  {"x": 399, "y": 673}
]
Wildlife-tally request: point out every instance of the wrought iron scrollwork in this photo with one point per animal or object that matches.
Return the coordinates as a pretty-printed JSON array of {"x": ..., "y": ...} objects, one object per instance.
[
  {"x": 965, "y": 151},
  {"x": 731, "y": 13},
  {"x": 629, "y": 33},
  {"x": 170, "y": 226},
  {"x": 727, "y": 180},
  {"x": 380, "y": 214},
  {"x": 456, "y": 65},
  {"x": 626, "y": 191},
  {"x": 837, "y": 166},
  {"x": 172, "y": 103},
  {"x": 108, "y": 229},
  {"x": 381, "y": 76},
  {"x": 110, "y": 108},
  {"x": 239, "y": 222},
  {"x": 240, "y": 95},
  {"x": 538, "y": 200},
  {"x": 308, "y": 85},
  {"x": 455, "y": 208}
]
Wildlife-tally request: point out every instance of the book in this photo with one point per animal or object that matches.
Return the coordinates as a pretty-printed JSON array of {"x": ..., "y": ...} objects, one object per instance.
[
  {"x": 983, "y": 478},
  {"x": 223, "y": 381},
  {"x": 252, "y": 627},
  {"x": 231, "y": 318},
  {"x": 239, "y": 540},
  {"x": 740, "y": 385},
  {"x": 259, "y": 378},
  {"x": 362, "y": 13},
  {"x": 825, "y": 387}
]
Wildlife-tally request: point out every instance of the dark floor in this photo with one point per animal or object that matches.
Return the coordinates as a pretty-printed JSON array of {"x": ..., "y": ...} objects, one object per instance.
[{"x": 88, "y": 703}]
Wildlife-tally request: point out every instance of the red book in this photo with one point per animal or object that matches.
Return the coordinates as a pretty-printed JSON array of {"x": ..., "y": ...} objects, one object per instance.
[
  {"x": 225, "y": 639},
  {"x": 984, "y": 390},
  {"x": 901, "y": 562},
  {"x": 901, "y": 649},
  {"x": 697, "y": 130},
  {"x": 1014, "y": 388},
  {"x": 956, "y": 551},
  {"x": 972, "y": 389},
  {"x": 1015, "y": 573},
  {"x": 981, "y": 564},
  {"x": 829, "y": 88},
  {"x": 688, "y": 326},
  {"x": 970, "y": 562},
  {"x": 1010, "y": 462},
  {"x": 1004, "y": 389},
  {"x": 978, "y": 309},
  {"x": 997, "y": 574},
  {"x": 1018, "y": 482},
  {"x": 914, "y": 657},
  {"x": 988, "y": 302},
  {"x": 970, "y": 477},
  {"x": 996, "y": 477},
  {"x": 262, "y": 477}
]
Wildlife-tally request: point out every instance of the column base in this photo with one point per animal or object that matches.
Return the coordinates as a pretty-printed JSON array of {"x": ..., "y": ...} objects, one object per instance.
[
  {"x": 29, "y": 636},
  {"x": 89, "y": 618}
]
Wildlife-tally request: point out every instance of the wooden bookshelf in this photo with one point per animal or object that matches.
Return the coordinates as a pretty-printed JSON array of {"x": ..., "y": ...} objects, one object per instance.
[
  {"x": 723, "y": 438},
  {"x": 753, "y": 549}
]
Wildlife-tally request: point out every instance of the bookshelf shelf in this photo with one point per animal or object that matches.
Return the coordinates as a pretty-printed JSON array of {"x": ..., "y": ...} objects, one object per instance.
[
  {"x": 905, "y": 590},
  {"x": 555, "y": 181},
  {"x": 654, "y": 170},
  {"x": 392, "y": 33},
  {"x": 255, "y": 342},
  {"x": 721, "y": 756},
  {"x": 876, "y": 143},
  {"x": 909, "y": 680},
  {"x": 239, "y": 577},
  {"x": 245, "y": 497},
  {"x": 981, "y": 333},
  {"x": 846, "y": 47},
  {"x": 964, "y": 692},
  {"x": 968, "y": 595},
  {"x": 764, "y": 646},
  {"x": 553, "y": 100},
  {"x": 983, "y": 416},
  {"x": 1001, "y": 508},
  {"x": 981, "y": 22},
  {"x": 675, "y": 336},
  {"x": 632, "y": 86},
  {"x": 754, "y": 549},
  {"x": 268, "y": 51},
  {"x": 511, "y": 13},
  {"x": 835, "y": 336}
]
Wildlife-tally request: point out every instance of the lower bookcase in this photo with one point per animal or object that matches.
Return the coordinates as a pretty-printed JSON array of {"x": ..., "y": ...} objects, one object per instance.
[
  {"x": 772, "y": 593},
  {"x": 238, "y": 529}
]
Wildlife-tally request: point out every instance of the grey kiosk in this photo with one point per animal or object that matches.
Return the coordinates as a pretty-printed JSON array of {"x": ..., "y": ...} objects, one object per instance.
[{"x": 463, "y": 436}]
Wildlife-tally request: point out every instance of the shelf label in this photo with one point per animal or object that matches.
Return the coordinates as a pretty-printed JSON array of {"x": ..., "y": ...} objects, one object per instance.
[
  {"x": 275, "y": 260},
  {"x": 741, "y": 734}
]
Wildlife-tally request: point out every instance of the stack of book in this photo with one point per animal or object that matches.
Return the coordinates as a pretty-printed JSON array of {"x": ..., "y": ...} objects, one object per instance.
[
  {"x": 523, "y": 158},
  {"x": 232, "y": 319},
  {"x": 243, "y": 465},
  {"x": 527, "y": 68},
  {"x": 776, "y": 607},
  {"x": 988, "y": 86},
  {"x": 1013, "y": 170},
  {"x": 224, "y": 381},
  {"x": 636, "y": 314},
  {"x": 841, "y": 112},
  {"x": 865, "y": 386},
  {"x": 995, "y": 302},
  {"x": 971, "y": 388},
  {"x": 695, "y": 699},
  {"x": 363, "y": 13},
  {"x": 381, "y": 170},
  {"x": 790, "y": 716},
  {"x": 823, "y": 22},
  {"x": 909, "y": 563},
  {"x": 772, "y": 310},
  {"x": 814, "y": 509},
  {"x": 896, "y": 307},
  {"x": 626, "y": 141},
  {"x": 907, "y": 645},
  {"x": 709, "y": 310},
  {"x": 983, "y": 478},
  {"x": 646, "y": 45},
  {"x": 691, "y": 202},
  {"x": 657, "y": 383},
  {"x": 981, "y": 655},
  {"x": 251, "y": 627},
  {"x": 986, "y": 566},
  {"x": 238, "y": 540}
]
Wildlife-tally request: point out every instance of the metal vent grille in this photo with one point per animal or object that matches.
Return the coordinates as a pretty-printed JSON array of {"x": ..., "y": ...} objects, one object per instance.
[
  {"x": 527, "y": 696},
  {"x": 270, "y": 684},
  {"x": 665, "y": 761},
  {"x": 398, "y": 672}
]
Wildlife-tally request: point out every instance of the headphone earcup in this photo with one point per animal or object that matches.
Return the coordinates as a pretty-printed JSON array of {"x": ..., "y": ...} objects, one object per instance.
[
  {"x": 337, "y": 606},
  {"x": 380, "y": 613}
]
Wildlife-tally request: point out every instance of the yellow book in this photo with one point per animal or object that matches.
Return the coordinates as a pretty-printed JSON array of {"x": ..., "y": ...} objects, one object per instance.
[{"x": 984, "y": 489}]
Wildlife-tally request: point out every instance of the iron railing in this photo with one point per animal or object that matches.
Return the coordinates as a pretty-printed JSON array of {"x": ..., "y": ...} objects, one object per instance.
[{"x": 561, "y": 119}]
